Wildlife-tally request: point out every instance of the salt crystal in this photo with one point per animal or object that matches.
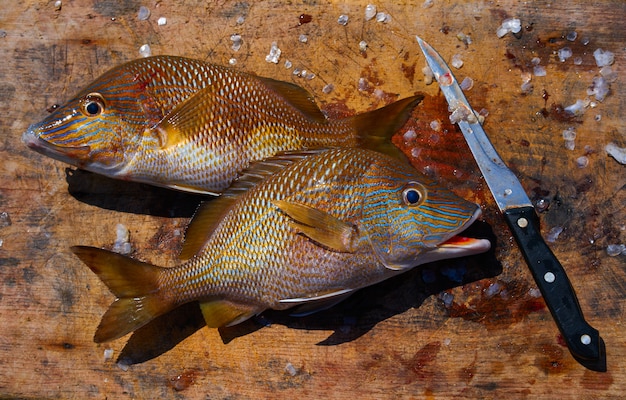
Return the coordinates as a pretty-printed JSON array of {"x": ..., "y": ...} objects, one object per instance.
[
  {"x": 58, "y": 5},
  {"x": 447, "y": 298},
  {"x": 303, "y": 38},
  {"x": 122, "y": 245},
  {"x": 599, "y": 88},
  {"x": 415, "y": 152},
  {"x": 569, "y": 134},
  {"x": 608, "y": 74},
  {"x": 534, "y": 292},
  {"x": 383, "y": 17},
  {"x": 309, "y": 76},
  {"x": 513, "y": 25},
  {"x": 145, "y": 50},
  {"x": 598, "y": 117},
  {"x": 502, "y": 31},
  {"x": 614, "y": 250},
  {"x": 409, "y": 135},
  {"x": 603, "y": 58},
  {"x": 290, "y": 369},
  {"x": 535, "y": 60},
  {"x": 328, "y": 88},
  {"x": 240, "y": 20},
  {"x": 527, "y": 87},
  {"x": 362, "y": 46},
  {"x": 288, "y": 64},
  {"x": 456, "y": 61},
  {"x": 237, "y": 41},
  {"x": 464, "y": 38},
  {"x": 447, "y": 341},
  {"x": 493, "y": 289},
  {"x": 427, "y": 3},
  {"x": 143, "y": 14},
  {"x": 582, "y": 161},
  {"x": 5, "y": 219},
  {"x": 232, "y": 61},
  {"x": 296, "y": 71},
  {"x": 467, "y": 83},
  {"x": 428, "y": 75},
  {"x": 274, "y": 54},
  {"x": 108, "y": 354},
  {"x": 578, "y": 108},
  {"x": 363, "y": 85},
  {"x": 539, "y": 70},
  {"x": 342, "y": 20},
  {"x": 123, "y": 365},
  {"x": 585, "y": 41},
  {"x": 553, "y": 234},
  {"x": 370, "y": 11},
  {"x": 571, "y": 36},
  {"x": 578, "y": 61},
  {"x": 618, "y": 153},
  {"x": 3, "y": 33},
  {"x": 564, "y": 53},
  {"x": 435, "y": 125},
  {"x": 162, "y": 21}
]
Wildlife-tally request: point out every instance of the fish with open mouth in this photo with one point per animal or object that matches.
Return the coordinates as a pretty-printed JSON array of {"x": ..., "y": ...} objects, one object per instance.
[
  {"x": 298, "y": 230},
  {"x": 194, "y": 126}
]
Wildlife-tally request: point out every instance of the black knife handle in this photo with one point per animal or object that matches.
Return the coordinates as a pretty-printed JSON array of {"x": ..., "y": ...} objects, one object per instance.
[{"x": 582, "y": 339}]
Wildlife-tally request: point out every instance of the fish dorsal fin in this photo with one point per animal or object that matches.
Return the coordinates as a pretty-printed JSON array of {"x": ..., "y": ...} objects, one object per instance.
[
  {"x": 210, "y": 213},
  {"x": 219, "y": 313},
  {"x": 296, "y": 97},
  {"x": 375, "y": 128},
  {"x": 320, "y": 226}
]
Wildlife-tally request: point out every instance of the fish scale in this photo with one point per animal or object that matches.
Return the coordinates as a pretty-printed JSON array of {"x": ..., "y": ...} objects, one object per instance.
[
  {"x": 299, "y": 230},
  {"x": 194, "y": 126}
]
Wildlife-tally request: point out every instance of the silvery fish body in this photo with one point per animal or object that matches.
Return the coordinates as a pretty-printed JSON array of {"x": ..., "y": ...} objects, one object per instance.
[
  {"x": 193, "y": 126},
  {"x": 295, "y": 230}
]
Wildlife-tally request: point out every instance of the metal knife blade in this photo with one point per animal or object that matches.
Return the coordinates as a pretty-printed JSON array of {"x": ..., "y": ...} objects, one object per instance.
[{"x": 583, "y": 341}]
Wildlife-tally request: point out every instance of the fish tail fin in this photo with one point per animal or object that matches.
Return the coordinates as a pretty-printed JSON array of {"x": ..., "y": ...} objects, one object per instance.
[
  {"x": 134, "y": 283},
  {"x": 375, "y": 128}
]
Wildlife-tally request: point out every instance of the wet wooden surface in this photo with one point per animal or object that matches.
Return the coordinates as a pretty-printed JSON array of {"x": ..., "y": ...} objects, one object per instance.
[{"x": 466, "y": 328}]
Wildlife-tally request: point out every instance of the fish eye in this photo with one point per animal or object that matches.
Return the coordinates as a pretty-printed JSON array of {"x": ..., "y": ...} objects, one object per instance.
[
  {"x": 92, "y": 105},
  {"x": 413, "y": 194}
]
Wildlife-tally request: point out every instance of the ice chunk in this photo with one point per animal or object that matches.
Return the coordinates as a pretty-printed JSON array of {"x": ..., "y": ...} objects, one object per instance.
[
  {"x": 370, "y": 11},
  {"x": 603, "y": 58},
  {"x": 513, "y": 25},
  {"x": 162, "y": 21},
  {"x": 599, "y": 88},
  {"x": 274, "y": 54},
  {"x": 145, "y": 50},
  {"x": 564, "y": 53},
  {"x": 122, "y": 245},
  {"x": 456, "y": 61},
  {"x": 237, "y": 40},
  {"x": 467, "y": 83},
  {"x": 143, "y": 14},
  {"x": 343, "y": 20},
  {"x": 618, "y": 153}
]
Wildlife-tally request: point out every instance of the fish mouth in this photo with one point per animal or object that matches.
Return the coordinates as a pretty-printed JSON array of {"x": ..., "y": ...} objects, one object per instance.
[{"x": 67, "y": 154}]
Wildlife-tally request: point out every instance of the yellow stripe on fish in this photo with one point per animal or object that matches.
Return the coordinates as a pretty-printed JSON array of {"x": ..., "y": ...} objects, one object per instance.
[
  {"x": 300, "y": 230},
  {"x": 193, "y": 126}
]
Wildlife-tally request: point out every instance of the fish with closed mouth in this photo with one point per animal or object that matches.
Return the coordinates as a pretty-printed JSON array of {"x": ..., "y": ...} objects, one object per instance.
[
  {"x": 194, "y": 126},
  {"x": 298, "y": 230}
]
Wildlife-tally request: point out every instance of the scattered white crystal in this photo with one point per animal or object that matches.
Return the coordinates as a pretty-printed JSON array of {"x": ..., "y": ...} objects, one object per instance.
[
  {"x": 409, "y": 135},
  {"x": 428, "y": 3},
  {"x": 290, "y": 369},
  {"x": 608, "y": 73},
  {"x": 618, "y": 153},
  {"x": 145, "y": 50},
  {"x": 564, "y": 53},
  {"x": 108, "y": 354},
  {"x": 303, "y": 38},
  {"x": 143, "y": 14},
  {"x": 603, "y": 58},
  {"x": 274, "y": 54},
  {"x": 288, "y": 64},
  {"x": 237, "y": 41},
  {"x": 553, "y": 234},
  {"x": 122, "y": 245},
  {"x": 513, "y": 25},
  {"x": 58, "y": 5},
  {"x": 571, "y": 36},
  {"x": 240, "y": 20},
  {"x": 456, "y": 61},
  {"x": 328, "y": 88},
  {"x": 569, "y": 136},
  {"x": 343, "y": 20},
  {"x": 362, "y": 45},
  {"x": 578, "y": 108},
  {"x": 232, "y": 61},
  {"x": 428, "y": 75},
  {"x": 599, "y": 88},
  {"x": 162, "y": 21},
  {"x": 415, "y": 152},
  {"x": 435, "y": 125},
  {"x": 539, "y": 70},
  {"x": 383, "y": 17},
  {"x": 467, "y": 83},
  {"x": 582, "y": 161},
  {"x": 578, "y": 61},
  {"x": 464, "y": 38},
  {"x": 614, "y": 250},
  {"x": 370, "y": 11}
]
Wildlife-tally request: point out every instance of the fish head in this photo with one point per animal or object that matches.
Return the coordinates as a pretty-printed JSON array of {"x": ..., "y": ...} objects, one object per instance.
[
  {"x": 103, "y": 127},
  {"x": 409, "y": 219}
]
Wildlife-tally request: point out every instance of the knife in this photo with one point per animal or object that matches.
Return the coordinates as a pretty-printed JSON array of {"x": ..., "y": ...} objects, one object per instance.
[{"x": 583, "y": 341}]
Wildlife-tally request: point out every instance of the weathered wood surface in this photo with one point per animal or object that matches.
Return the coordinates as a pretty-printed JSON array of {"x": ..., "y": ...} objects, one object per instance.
[{"x": 402, "y": 339}]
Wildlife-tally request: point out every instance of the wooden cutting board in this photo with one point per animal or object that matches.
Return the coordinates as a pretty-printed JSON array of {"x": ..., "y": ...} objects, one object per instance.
[{"x": 467, "y": 328}]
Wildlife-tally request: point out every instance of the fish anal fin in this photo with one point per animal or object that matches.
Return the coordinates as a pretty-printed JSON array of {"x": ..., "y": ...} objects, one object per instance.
[
  {"x": 134, "y": 283},
  {"x": 320, "y": 226},
  {"x": 219, "y": 313},
  {"x": 375, "y": 128}
]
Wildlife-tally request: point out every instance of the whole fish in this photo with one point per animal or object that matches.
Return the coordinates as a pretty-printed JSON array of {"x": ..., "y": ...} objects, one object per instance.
[
  {"x": 295, "y": 230},
  {"x": 193, "y": 126}
]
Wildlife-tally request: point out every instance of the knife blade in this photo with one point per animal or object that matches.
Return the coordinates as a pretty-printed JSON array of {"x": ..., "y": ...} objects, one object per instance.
[{"x": 583, "y": 341}]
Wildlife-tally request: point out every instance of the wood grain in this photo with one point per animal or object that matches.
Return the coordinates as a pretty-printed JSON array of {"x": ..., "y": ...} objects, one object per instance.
[{"x": 464, "y": 329}]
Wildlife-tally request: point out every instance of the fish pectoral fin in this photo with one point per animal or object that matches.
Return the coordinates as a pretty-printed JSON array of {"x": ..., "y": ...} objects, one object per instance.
[
  {"x": 320, "y": 226},
  {"x": 297, "y": 97},
  {"x": 219, "y": 313},
  {"x": 318, "y": 302}
]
